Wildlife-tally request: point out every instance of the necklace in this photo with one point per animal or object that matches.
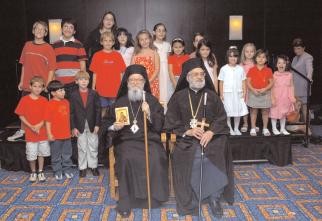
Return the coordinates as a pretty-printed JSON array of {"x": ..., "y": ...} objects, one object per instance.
[
  {"x": 135, "y": 127},
  {"x": 194, "y": 121}
]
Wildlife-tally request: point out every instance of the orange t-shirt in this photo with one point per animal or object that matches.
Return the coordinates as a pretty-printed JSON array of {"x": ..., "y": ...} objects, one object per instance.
[
  {"x": 58, "y": 114},
  {"x": 177, "y": 62},
  {"x": 34, "y": 112},
  {"x": 108, "y": 68},
  {"x": 37, "y": 59},
  {"x": 259, "y": 78}
]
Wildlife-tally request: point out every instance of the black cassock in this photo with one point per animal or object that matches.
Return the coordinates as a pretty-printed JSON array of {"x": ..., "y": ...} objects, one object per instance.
[
  {"x": 186, "y": 151},
  {"x": 130, "y": 156}
]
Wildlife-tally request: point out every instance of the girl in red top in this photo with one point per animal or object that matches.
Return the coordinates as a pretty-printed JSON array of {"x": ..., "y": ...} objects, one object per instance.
[
  {"x": 259, "y": 82},
  {"x": 176, "y": 59}
]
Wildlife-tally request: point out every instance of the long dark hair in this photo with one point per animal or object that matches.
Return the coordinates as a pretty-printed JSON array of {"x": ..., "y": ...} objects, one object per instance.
[
  {"x": 129, "y": 42},
  {"x": 101, "y": 24},
  {"x": 286, "y": 59},
  {"x": 211, "y": 57}
]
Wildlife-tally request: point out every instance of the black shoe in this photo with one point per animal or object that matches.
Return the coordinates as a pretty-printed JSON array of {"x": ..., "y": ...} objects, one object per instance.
[
  {"x": 82, "y": 173},
  {"x": 95, "y": 172},
  {"x": 125, "y": 213},
  {"x": 216, "y": 209}
]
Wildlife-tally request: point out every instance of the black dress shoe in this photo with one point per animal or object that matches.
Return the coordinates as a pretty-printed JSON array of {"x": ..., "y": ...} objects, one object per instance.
[
  {"x": 125, "y": 213},
  {"x": 216, "y": 209},
  {"x": 95, "y": 172},
  {"x": 82, "y": 173}
]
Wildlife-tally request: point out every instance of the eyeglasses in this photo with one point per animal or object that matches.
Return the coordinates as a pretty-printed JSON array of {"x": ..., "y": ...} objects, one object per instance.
[{"x": 132, "y": 80}]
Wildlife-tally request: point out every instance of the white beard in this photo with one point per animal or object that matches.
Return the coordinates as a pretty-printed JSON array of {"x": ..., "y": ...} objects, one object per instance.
[
  {"x": 135, "y": 93},
  {"x": 197, "y": 85}
]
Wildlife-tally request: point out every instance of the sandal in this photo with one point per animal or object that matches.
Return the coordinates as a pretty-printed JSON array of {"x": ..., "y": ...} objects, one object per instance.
[
  {"x": 244, "y": 128},
  {"x": 266, "y": 132},
  {"x": 253, "y": 132}
]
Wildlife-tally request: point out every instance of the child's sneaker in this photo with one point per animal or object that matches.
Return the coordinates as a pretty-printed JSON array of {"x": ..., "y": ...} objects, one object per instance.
[
  {"x": 19, "y": 133},
  {"x": 69, "y": 175},
  {"x": 58, "y": 176},
  {"x": 33, "y": 177},
  {"x": 41, "y": 176}
]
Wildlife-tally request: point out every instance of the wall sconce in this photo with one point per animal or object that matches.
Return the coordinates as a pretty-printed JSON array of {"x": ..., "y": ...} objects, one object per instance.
[
  {"x": 236, "y": 27},
  {"x": 54, "y": 30}
]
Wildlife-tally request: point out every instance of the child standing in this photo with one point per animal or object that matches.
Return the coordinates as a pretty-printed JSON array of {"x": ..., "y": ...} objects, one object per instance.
[
  {"x": 70, "y": 56},
  {"x": 283, "y": 99},
  {"x": 107, "y": 66},
  {"x": 124, "y": 45},
  {"x": 146, "y": 55},
  {"x": 163, "y": 48},
  {"x": 205, "y": 52},
  {"x": 259, "y": 82},
  {"x": 57, "y": 119},
  {"x": 195, "y": 40},
  {"x": 85, "y": 114},
  {"x": 247, "y": 62},
  {"x": 31, "y": 111},
  {"x": 176, "y": 59},
  {"x": 37, "y": 59},
  {"x": 233, "y": 89}
]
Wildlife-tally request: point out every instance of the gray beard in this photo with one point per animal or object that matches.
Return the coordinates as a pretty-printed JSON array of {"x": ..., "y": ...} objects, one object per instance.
[
  {"x": 135, "y": 94},
  {"x": 196, "y": 86}
]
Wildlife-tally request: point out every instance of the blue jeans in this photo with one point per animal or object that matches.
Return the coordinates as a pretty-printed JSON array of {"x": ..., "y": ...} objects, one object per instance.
[{"x": 61, "y": 153}]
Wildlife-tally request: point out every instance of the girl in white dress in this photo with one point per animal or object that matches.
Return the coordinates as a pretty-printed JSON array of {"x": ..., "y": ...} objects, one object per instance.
[
  {"x": 124, "y": 44},
  {"x": 164, "y": 48},
  {"x": 232, "y": 88},
  {"x": 206, "y": 53}
]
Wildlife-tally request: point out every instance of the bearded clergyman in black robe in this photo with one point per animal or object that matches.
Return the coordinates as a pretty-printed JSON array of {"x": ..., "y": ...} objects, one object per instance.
[
  {"x": 129, "y": 146},
  {"x": 183, "y": 117}
]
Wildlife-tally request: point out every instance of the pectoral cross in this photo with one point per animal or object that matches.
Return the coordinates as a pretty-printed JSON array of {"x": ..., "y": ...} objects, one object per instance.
[{"x": 203, "y": 123}]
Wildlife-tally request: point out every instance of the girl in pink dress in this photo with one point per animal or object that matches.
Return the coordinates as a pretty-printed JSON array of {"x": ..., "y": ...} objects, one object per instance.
[
  {"x": 146, "y": 55},
  {"x": 282, "y": 95}
]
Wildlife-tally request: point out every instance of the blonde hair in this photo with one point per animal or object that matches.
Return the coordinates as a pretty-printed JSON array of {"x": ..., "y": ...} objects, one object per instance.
[
  {"x": 44, "y": 24},
  {"x": 138, "y": 47},
  {"x": 107, "y": 34},
  {"x": 82, "y": 74},
  {"x": 242, "y": 55},
  {"x": 37, "y": 79}
]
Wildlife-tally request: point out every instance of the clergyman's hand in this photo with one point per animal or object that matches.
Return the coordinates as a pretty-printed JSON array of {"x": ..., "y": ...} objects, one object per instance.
[
  {"x": 196, "y": 132},
  {"x": 146, "y": 108},
  {"x": 206, "y": 137},
  {"x": 118, "y": 126}
]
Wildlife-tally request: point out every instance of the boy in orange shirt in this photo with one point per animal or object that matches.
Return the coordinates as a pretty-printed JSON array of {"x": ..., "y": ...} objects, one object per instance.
[
  {"x": 31, "y": 111},
  {"x": 57, "y": 118},
  {"x": 107, "y": 66}
]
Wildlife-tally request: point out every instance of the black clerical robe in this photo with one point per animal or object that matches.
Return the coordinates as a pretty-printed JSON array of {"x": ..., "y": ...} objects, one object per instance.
[
  {"x": 130, "y": 156},
  {"x": 217, "y": 152}
]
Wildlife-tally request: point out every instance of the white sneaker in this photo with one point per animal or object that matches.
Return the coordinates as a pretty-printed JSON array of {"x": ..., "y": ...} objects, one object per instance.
[
  {"x": 19, "y": 133},
  {"x": 276, "y": 132},
  {"x": 69, "y": 175},
  {"x": 252, "y": 132},
  {"x": 257, "y": 129},
  {"x": 41, "y": 176},
  {"x": 232, "y": 132},
  {"x": 237, "y": 132},
  {"x": 58, "y": 176},
  {"x": 33, "y": 177},
  {"x": 285, "y": 132},
  {"x": 266, "y": 132}
]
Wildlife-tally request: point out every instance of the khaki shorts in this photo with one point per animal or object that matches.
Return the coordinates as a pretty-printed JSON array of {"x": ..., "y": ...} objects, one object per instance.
[{"x": 35, "y": 149}]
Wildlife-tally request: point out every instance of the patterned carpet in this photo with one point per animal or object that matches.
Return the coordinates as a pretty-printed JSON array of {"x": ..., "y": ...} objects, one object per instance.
[{"x": 262, "y": 192}]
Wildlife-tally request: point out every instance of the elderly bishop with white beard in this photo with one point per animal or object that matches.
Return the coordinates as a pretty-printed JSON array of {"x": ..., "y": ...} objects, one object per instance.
[
  {"x": 126, "y": 120},
  {"x": 197, "y": 116}
]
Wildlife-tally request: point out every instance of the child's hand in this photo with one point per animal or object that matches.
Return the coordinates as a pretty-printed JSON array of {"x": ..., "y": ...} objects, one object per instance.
[
  {"x": 273, "y": 102},
  {"x": 222, "y": 97},
  {"x": 262, "y": 90},
  {"x": 96, "y": 128},
  {"x": 20, "y": 86},
  {"x": 50, "y": 137},
  {"x": 75, "y": 132},
  {"x": 293, "y": 100},
  {"x": 256, "y": 92}
]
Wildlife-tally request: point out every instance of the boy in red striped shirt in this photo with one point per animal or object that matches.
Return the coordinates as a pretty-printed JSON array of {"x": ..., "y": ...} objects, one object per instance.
[{"x": 70, "y": 56}]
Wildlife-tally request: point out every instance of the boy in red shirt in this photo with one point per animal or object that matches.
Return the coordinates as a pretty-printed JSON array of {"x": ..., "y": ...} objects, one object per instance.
[
  {"x": 57, "y": 117},
  {"x": 37, "y": 58},
  {"x": 31, "y": 111},
  {"x": 107, "y": 66}
]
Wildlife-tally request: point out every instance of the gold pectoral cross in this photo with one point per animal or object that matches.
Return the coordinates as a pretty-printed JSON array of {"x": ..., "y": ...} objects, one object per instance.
[{"x": 203, "y": 123}]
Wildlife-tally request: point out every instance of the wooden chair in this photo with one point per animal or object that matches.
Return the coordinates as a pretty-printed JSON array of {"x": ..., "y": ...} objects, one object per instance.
[{"x": 113, "y": 182}]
